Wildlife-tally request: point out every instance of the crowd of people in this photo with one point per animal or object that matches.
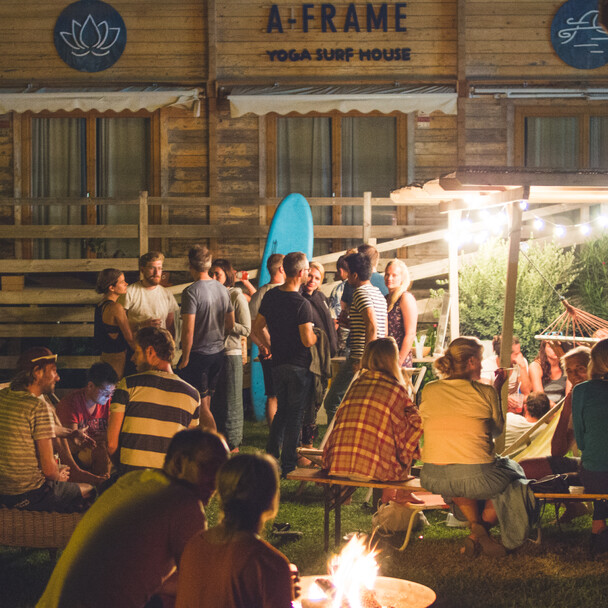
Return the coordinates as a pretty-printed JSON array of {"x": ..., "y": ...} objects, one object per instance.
[{"x": 142, "y": 446}]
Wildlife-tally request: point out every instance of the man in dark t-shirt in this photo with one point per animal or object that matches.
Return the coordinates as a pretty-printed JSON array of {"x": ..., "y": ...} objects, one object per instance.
[{"x": 284, "y": 326}]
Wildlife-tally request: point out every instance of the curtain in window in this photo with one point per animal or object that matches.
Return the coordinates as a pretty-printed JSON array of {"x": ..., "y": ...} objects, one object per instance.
[
  {"x": 598, "y": 142},
  {"x": 123, "y": 167},
  {"x": 304, "y": 165},
  {"x": 552, "y": 142},
  {"x": 369, "y": 164},
  {"x": 58, "y": 170}
]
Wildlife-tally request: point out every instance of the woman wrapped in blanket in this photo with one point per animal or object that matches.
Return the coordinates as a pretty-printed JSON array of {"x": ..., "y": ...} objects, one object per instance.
[
  {"x": 461, "y": 417},
  {"x": 377, "y": 426}
]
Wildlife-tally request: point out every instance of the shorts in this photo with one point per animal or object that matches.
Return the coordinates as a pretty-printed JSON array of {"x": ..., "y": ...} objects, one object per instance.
[
  {"x": 54, "y": 496},
  {"x": 268, "y": 381},
  {"x": 203, "y": 372}
]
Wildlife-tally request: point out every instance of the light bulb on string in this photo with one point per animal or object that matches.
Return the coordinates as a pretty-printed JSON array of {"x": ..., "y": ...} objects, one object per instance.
[
  {"x": 538, "y": 224},
  {"x": 559, "y": 231},
  {"x": 523, "y": 204},
  {"x": 602, "y": 220},
  {"x": 481, "y": 237},
  {"x": 585, "y": 229}
]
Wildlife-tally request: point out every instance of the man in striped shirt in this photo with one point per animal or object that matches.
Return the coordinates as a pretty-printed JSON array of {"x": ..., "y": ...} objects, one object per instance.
[
  {"x": 30, "y": 477},
  {"x": 367, "y": 322},
  {"x": 149, "y": 407}
]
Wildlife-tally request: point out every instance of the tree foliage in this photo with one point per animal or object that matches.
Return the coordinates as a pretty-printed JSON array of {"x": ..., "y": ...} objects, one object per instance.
[
  {"x": 482, "y": 291},
  {"x": 590, "y": 290}
]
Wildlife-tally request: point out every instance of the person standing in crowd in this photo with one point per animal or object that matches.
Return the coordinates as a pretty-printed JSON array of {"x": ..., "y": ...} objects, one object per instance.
[
  {"x": 230, "y": 565},
  {"x": 590, "y": 418},
  {"x": 149, "y": 407},
  {"x": 207, "y": 317},
  {"x": 30, "y": 477},
  {"x": 88, "y": 408},
  {"x": 535, "y": 407},
  {"x": 519, "y": 378},
  {"x": 112, "y": 333},
  {"x": 335, "y": 302},
  {"x": 321, "y": 320},
  {"x": 368, "y": 321},
  {"x": 401, "y": 308},
  {"x": 147, "y": 302},
  {"x": 274, "y": 264},
  {"x": 284, "y": 326},
  {"x": 547, "y": 375},
  {"x": 227, "y": 401},
  {"x": 129, "y": 543}
]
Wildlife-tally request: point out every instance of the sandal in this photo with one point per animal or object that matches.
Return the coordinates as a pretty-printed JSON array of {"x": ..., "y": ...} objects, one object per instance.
[
  {"x": 488, "y": 545},
  {"x": 471, "y": 547}
]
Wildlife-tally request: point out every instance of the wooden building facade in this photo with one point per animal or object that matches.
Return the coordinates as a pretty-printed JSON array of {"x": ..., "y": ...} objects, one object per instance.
[{"x": 231, "y": 100}]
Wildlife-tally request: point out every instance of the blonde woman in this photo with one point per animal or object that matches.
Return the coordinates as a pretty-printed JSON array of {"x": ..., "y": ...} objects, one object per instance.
[
  {"x": 377, "y": 426},
  {"x": 402, "y": 309},
  {"x": 590, "y": 419},
  {"x": 460, "y": 417}
]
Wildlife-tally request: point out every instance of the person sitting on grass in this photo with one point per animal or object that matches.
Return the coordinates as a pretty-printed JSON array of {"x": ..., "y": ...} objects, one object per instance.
[
  {"x": 377, "y": 427},
  {"x": 535, "y": 407},
  {"x": 230, "y": 566},
  {"x": 460, "y": 418}
]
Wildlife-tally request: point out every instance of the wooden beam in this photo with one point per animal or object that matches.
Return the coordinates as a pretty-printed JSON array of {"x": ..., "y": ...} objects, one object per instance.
[
  {"x": 520, "y": 176},
  {"x": 509, "y": 308},
  {"x": 479, "y": 201},
  {"x": 65, "y": 231},
  {"x": 453, "y": 221},
  {"x": 143, "y": 229},
  {"x": 46, "y": 330}
]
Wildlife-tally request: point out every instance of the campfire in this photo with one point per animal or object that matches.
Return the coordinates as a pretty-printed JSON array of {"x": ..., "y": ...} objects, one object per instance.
[{"x": 353, "y": 582}]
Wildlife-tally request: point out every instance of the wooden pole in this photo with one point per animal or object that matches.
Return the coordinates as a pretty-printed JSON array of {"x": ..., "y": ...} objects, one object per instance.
[
  {"x": 143, "y": 223},
  {"x": 509, "y": 309},
  {"x": 453, "y": 221},
  {"x": 367, "y": 216}
]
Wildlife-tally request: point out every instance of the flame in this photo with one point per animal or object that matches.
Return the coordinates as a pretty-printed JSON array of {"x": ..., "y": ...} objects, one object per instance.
[{"x": 351, "y": 571}]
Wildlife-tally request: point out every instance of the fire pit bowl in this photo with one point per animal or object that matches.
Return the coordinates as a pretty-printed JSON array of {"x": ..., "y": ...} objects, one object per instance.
[{"x": 394, "y": 592}]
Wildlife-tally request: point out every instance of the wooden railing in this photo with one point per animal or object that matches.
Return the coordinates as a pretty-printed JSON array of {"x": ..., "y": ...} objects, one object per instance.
[
  {"x": 143, "y": 231},
  {"x": 66, "y": 313}
]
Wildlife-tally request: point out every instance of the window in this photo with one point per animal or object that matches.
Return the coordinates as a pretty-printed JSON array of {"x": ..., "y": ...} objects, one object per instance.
[
  {"x": 567, "y": 139},
  {"x": 337, "y": 155},
  {"x": 76, "y": 156}
]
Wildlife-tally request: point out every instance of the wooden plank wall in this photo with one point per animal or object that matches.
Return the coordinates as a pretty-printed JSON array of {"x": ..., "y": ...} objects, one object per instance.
[
  {"x": 166, "y": 43},
  {"x": 6, "y": 179},
  {"x": 513, "y": 40},
  {"x": 243, "y": 42},
  {"x": 184, "y": 161},
  {"x": 237, "y": 168}
]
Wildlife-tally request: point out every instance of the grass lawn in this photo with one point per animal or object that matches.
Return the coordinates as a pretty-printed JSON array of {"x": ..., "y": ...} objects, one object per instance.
[{"x": 556, "y": 573}]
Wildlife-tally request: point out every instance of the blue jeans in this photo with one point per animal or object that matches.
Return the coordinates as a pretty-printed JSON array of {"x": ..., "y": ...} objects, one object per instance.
[
  {"x": 293, "y": 387},
  {"x": 339, "y": 386},
  {"x": 227, "y": 401}
]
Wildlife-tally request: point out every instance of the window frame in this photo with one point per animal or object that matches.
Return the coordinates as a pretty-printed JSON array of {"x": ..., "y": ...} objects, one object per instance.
[
  {"x": 25, "y": 154},
  {"x": 582, "y": 113},
  {"x": 401, "y": 153}
]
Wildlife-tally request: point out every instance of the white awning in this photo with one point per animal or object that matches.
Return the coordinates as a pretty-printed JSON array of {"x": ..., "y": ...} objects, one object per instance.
[
  {"x": 117, "y": 101},
  {"x": 385, "y": 99}
]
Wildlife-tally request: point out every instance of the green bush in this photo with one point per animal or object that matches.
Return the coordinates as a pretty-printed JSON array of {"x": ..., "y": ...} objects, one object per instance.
[
  {"x": 590, "y": 290},
  {"x": 482, "y": 291}
]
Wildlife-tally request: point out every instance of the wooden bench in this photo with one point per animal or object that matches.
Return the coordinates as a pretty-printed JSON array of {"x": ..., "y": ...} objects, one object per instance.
[
  {"x": 333, "y": 486},
  {"x": 36, "y": 529},
  {"x": 561, "y": 499}
]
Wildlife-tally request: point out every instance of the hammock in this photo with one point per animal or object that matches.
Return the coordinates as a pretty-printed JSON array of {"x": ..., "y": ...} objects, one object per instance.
[{"x": 576, "y": 327}]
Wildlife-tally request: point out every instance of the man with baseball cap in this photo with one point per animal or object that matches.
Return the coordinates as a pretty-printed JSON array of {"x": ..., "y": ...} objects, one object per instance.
[{"x": 30, "y": 478}]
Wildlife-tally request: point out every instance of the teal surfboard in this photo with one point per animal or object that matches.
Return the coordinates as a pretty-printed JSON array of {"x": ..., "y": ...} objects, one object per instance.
[{"x": 291, "y": 229}]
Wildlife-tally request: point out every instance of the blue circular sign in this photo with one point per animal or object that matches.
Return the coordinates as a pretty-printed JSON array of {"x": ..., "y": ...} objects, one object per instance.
[
  {"x": 577, "y": 36},
  {"x": 90, "y": 35}
]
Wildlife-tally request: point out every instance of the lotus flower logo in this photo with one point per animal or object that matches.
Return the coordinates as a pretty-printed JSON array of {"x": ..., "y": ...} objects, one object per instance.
[{"x": 90, "y": 37}]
